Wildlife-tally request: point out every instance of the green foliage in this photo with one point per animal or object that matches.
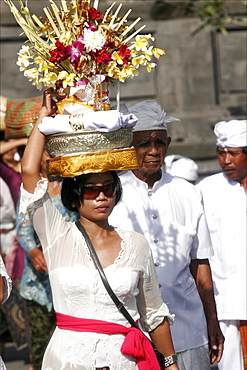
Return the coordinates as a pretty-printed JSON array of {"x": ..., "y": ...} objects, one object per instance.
[{"x": 212, "y": 13}]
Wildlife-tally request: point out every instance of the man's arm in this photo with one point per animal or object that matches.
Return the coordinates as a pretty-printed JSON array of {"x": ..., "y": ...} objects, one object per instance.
[{"x": 201, "y": 271}]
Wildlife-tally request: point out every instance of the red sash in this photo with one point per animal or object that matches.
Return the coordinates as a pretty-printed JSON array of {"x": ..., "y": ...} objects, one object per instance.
[{"x": 136, "y": 344}]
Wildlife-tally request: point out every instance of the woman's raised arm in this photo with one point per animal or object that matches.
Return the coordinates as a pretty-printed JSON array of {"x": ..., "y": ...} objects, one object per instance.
[
  {"x": 32, "y": 156},
  {"x": 10, "y": 144}
]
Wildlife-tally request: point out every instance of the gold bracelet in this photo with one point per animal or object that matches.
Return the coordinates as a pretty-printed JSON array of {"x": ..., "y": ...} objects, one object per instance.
[{"x": 34, "y": 121}]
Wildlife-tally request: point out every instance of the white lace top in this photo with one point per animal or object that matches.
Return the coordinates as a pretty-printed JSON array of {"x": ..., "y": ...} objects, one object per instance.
[{"x": 78, "y": 290}]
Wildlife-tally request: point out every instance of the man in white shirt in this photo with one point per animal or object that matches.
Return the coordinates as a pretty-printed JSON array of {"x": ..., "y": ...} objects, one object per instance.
[
  {"x": 224, "y": 200},
  {"x": 167, "y": 211},
  {"x": 183, "y": 167}
]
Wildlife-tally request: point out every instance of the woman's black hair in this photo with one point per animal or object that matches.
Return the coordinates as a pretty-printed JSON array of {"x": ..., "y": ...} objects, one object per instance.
[{"x": 72, "y": 195}]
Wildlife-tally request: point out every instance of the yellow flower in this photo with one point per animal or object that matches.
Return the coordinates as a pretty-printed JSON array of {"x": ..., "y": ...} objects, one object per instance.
[
  {"x": 133, "y": 53},
  {"x": 112, "y": 69},
  {"x": 126, "y": 72},
  {"x": 38, "y": 60},
  {"x": 115, "y": 56},
  {"x": 122, "y": 77},
  {"x": 68, "y": 78},
  {"x": 148, "y": 53},
  {"x": 141, "y": 43},
  {"x": 42, "y": 65},
  {"x": 138, "y": 60},
  {"x": 158, "y": 53},
  {"x": 38, "y": 84},
  {"x": 150, "y": 66},
  {"x": 31, "y": 73},
  {"x": 50, "y": 79}
]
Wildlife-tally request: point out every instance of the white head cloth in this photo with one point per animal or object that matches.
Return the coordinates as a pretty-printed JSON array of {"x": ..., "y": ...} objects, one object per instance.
[
  {"x": 177, "y": 165},
  {"x": 151, "y": 116},
  {"x": 104, "y": 121},
  {"x": 232, "y": 134}
]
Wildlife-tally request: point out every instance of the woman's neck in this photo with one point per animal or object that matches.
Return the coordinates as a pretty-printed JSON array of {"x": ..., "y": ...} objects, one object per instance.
[
  {"x": 16, "y": 166},
  {"x": 101, "y": 228}
]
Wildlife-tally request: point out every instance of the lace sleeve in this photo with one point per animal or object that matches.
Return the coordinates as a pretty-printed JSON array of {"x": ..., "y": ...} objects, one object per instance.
[
  {"x": 155, "y": 318},
  {"x": 30, "y": 202}
]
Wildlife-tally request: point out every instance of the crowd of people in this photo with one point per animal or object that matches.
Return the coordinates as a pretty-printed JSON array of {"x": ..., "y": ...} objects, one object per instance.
[
  {"x": 144, "y": 223},
  {"x": 114, "y": 255}
]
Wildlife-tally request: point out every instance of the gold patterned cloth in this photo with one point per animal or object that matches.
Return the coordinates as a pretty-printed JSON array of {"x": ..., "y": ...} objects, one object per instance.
[{"x": 76, "y": 165}]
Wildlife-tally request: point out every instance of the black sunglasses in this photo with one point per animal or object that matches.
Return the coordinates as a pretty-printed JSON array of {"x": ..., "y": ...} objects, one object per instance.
[{"x": 93, "y": 191}]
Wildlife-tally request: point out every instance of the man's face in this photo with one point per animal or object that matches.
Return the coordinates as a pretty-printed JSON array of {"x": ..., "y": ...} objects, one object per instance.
[
  {"x": 233, "y": 163},
  {"x": 151, "y": 147}
]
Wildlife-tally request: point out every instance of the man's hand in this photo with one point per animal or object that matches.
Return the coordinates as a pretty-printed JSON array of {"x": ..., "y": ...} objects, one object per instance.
[
  {"x": 200, "y": 270},
  {"x": 216, "y": 341}
]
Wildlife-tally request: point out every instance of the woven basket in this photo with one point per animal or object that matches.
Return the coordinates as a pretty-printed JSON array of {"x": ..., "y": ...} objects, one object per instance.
[{"x": 20, "y": 113}]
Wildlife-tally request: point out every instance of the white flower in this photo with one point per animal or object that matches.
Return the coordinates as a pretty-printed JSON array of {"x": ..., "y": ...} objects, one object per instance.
[
  {"x": 23, "y": 62},
  {"x": 24, "y": 50},
  {"x": 23, "y": 57},
  {"x": 150, "y": 66},
  {"x": 32, "y": 73},
  {"x": 93, "y": 40}
]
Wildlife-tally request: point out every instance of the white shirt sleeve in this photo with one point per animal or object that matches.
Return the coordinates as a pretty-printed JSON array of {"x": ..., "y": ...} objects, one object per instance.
[{"x": 151, "y": 307}]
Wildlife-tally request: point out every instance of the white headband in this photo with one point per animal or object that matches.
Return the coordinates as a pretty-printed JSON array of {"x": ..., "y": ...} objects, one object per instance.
[
  {"x": 231, "y": 134},
  {"x": 151, "y": 116}
]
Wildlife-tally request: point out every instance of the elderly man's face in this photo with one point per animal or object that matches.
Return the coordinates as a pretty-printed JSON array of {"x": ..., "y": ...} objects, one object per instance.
[
  {"x": 151, "y": 147},
  {"x": 233, "y": 163}
]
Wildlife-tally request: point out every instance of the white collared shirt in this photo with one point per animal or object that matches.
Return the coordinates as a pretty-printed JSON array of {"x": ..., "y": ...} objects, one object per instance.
[
  {"x": 224, "y": 201},
  {"x": 171, "y": 218}
]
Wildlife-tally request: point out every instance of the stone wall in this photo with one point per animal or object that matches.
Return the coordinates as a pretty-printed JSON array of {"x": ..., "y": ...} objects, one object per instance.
[{"x": 201, "y": 79}]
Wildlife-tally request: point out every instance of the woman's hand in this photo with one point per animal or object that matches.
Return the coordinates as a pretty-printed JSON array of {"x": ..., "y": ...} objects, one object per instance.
[
  {"x": 38, "y": 260},
  {"x": 49, "y": 106},
  {"x": 173, "y": 367},
  {"x": 162, "y": 339},
  {"x": 32, "y": 156}
]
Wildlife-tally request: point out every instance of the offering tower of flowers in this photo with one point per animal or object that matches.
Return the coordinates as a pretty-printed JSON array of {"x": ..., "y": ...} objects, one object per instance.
[{"x": 78, "y": 50}]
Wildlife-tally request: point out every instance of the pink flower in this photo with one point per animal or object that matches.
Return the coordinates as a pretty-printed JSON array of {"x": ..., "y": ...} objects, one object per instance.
[
  {"x": 75, "y": 51},
  {"x": 91, "y": 26}
]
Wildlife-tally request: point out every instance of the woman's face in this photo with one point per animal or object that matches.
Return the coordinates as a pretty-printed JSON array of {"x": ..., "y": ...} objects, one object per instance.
[
  {"x": 9, "y": 156},
  {"x": 102, "y": 201}
]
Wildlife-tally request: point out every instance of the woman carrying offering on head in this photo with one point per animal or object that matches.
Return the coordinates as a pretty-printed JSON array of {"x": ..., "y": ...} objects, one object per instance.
[{"x": 91, "y": 332}]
